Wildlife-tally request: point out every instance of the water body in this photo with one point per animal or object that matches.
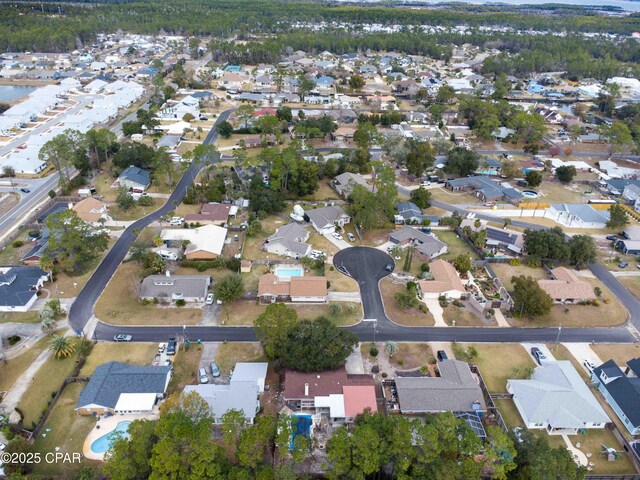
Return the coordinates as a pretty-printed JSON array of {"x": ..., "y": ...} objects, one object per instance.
[
  {"x": 8, "y": 93},
  {"x": 625, "y": 5}
]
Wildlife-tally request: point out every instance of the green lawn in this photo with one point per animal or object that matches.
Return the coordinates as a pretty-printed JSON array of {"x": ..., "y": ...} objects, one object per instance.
[
  {"x": 19, "y": 317},
  {"x": 185, "y": 368},
  {"x": 455, "y": 243}
]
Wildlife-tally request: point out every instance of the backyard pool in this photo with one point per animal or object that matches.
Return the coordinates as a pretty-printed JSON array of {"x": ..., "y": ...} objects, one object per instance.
[
  {"x": 303, "y": 427},
  {"x": 103, "y": 443},
  {"x": 530, "y": 194},
  {"x": 288, "y": 272}
]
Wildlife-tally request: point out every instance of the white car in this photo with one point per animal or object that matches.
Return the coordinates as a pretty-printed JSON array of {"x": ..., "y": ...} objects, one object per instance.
[
  {"x": 209, "y": 300},
  {"x": 351, "y": 237},
  {"x": 202, "y": 375},
  {"x": 589, "y": 365},
  {"x": 176, "y": 221},
  {"x": 315, "y": 254},
  {"x": 337, "y": 235},
  {"x": 425, "y": 183}
]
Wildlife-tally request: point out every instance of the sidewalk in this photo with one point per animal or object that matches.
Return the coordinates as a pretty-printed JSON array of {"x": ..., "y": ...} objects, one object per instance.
[
  {"x": 345, "y": 297},
  {"x": 499, "y": 316}
]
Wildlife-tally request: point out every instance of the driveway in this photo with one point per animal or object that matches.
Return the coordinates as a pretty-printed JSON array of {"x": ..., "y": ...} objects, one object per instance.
[
  {"x": 582, "y": 352},
  {"x": 436, "y": 310},
  {"x": 341, "y": 244},
  {"x": 543, "y": 348},
  {"x": 366, "y": 265}
]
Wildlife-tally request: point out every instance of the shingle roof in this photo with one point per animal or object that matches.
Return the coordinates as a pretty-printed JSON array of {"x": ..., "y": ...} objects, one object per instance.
[
  {"x": 17, "y": 285},
  {"x": 111, "y": 379},
  {"x": 624, "y": 390},
  {"x": 270, "y": 284},
  {"x": 325, "y": 216},
  {"x": 292, "y": 236},
  {"x": 428, "y": 244},
  {"x": 189, "y": 286},
  {"x": 445, "y": 278},
  {"x": 241, "y": 396},
  {"x": 583, "y": 212},
  {"x": 566, "y": 285},
  {"x": 136, "y": 175}
]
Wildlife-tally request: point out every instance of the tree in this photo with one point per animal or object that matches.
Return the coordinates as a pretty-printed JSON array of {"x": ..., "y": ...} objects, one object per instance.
[
  {"x": 101, "y": 143},
  {"x": 618, "y": 136},
  {"x": 529, "y": 127},
  {"x": 61, "y": 346},
  {"x": 255, "y": 441},
  {"x": 407, "y": 298},
  {"x": 582, "y": 250},
  {"x": 549, "y": 243},
  {"x": 225, "y": 129},
  {"x": 233, "y": 423},
  {"x": 536, "y": 460},
  {"x": 530, "y": 300},
  {"x": 463, "y": 263},
  {"x": 284, "y": 114},
  {"x": 510, "y": 169},
  {"x": 420, "y": 157},
  {"x": 264, "y": 199},
  {"x": 371, "y": 208},
  {"x": 316, "y": 345},
  {"x": 566, "y": 173},
  {"x": 73, "y": 242},
  {"x": 128, "y": 458},
  {"x": 357, "y": 82},
  {"x": 124, "y": 199},
  {"x": 305, "y": 86},
  {"x": 533, "y": 178},
  {"x": 391, "y": 348},
  {"x": 254, "y": 228},
  {"x": 502, "y": 86},
  {"x": 59, "y": 151},
  {"x": 20, "y": 447},
  {"x": 500, "y": 454},
  {"x": 421, "y": 197},
  {"x": 133, "y": 153},
  {"x": 230, "y": 288},
  {"x": 462, "y": 161},
  {"x": 273, "y": 327},
  {"x": 618, "y": 217}
]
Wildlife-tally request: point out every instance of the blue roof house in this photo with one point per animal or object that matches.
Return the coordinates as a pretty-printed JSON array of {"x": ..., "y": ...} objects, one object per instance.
[{"x": 621, "y": 390}]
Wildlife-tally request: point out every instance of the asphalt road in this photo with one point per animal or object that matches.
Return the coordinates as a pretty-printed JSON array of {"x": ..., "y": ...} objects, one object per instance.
[{"x": 82, "y": 309}]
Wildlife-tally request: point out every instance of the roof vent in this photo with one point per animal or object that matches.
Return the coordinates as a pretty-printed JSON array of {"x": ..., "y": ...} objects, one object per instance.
[{"x": 306, "y": 389}]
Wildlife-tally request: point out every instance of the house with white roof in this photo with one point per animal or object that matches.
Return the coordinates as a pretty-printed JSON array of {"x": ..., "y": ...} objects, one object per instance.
[{"x": 204, "y": 242}]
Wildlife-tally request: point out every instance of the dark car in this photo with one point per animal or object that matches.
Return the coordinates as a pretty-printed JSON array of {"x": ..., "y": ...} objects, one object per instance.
[
  {"x": 538, "y": 355},
  {"x": 25, "y": 190},
  {"x": 623, "y": 264},
  {"x": 389, "y": 267},
  {"x": 613, "y": 238},
  {"x": 442, "y": 356},
  {"x": 172, "y": 346}
]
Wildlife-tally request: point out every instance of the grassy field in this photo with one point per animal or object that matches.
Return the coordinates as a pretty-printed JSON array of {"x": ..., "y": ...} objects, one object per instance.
[
  {"x": 456, "y": 198},
  {"x": 632, "y": 284},
  {"x": 620, "y": 353},
  {"x": 44, "y": 384},
  {"x": 456, "y": 245},
  {"x": 464, "y": 317},
  {"x": 19, "y": 317},
  {"x": 500, "y": 362},
  {"x": 592, "y": 443},
  {"x": 324, "y": 192},
  {"x": 141, "y": 354},
  {"x": 244, "y": 312},
  {"x": 66, "y": 430},
  {"x": 339, "y": 281},
  {"x": 506, "y": 272},
  {"x": 119, "y": 303},
  {"x": 412, "y": 355},
  {"x": 185, "y": 368},
  {"x": 231, "y": 353},
  {"x": 410, "y": 317},
  {"x": 509, "y": 413}
]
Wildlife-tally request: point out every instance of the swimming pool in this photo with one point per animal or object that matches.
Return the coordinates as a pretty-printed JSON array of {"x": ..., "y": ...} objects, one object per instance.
[
  {"x": 288, "y": 272},
  {"x": 530, "y": 194},
  {"x": 103, "y": 443},
  {"x": 302, "y": 427}
]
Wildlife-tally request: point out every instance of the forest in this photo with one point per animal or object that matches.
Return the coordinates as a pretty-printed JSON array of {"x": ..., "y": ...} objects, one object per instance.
[{"x": 57, "y": 26}]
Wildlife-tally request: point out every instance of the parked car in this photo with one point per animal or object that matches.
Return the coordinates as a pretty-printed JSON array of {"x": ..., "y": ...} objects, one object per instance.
[
  {"x": 315, "y": 254},
  {"x": 174, "y": 221},
  {"x": 337, "y": 235},
  {"x": 209, "y": 300},
  {"x": 538, "y": 355},
  {"x": 351, "y": 237},
  {"x": 425, "y": 183},
  {"x": 613, "y": 238},
  {"x": 442, "y": 356},
  {"x": 589, "y": 365},
  {"x": 167, "y": 362},
  {"x": 172, "y": 346},
  {"x": 215, "y": 370},
  {"x": 162, "y": 347},
  {"x": 121, "y": 337},
  {"x": 25, "y": 190},
  {"x": 202, "y": 375},
  {"x": 389, "y": 267},
  {"x": 623, "y": 264}
]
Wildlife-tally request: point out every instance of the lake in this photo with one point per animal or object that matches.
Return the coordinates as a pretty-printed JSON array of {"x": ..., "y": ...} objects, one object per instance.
[
  {"x": 8, "y": 93},
  {"x": 626, "y": 5}
]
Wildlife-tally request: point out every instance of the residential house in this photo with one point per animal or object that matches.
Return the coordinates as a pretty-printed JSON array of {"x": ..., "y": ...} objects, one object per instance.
[
  {"x": 91, "y": 210},
  {"x": 565, "y": 287},
  {"x": 504, "y": 239},
  {"x": 289, "y": 241},
  {"x": 256, "y": 141},
  {"x": 211, "y": 214},
  {"x": 203, "y": 243},
  {"x": 333, "y": 393},
  {"x": 119, "y": 388},
  {"x": 409, "y": 213},
  {"x": 621, "y": 390},
  {"x": 485, "y": 188},
  {"x": 190, "y": 288},
  {"x": 578, "y": 215},
  {"x": 272, "y": 288},
  {"x": 455, "y": 390},
  {"x": 555, "y": 398},
  {"x": 241, "y": 393},
  {"x": 135, "y": 178},
  {"x": 343, "y": 134},
  {"x": 426, "y": 245},
  {"x": 19, "y": 287},
  {"x": 445, "y": 282},
  {"x": 488, "y": 166},
  {"x": 345, "y": 182},
  {"x": 326, "y": 219}
]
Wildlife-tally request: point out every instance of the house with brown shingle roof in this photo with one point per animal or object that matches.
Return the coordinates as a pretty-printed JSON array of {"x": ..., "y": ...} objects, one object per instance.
[
  {"x": 445, "y": 281},
  {"x": 272, "y": 288},
  {"x": 565, "y": 287},
  {"x": 210, "y": 214},
  {"x": 90, "y": 210}
]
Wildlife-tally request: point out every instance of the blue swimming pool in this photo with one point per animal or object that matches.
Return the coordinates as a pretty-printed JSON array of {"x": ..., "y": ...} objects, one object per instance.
[
  {"x": 302, "y": 427},
  {"x": 288, "y": 272},
  {"x": 103, "y": 443}
]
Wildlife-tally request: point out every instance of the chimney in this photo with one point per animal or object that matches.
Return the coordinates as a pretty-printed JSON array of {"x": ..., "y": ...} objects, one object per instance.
[
  {"x": 167, "y": 273},
  {"x": 306, "y": 389}
]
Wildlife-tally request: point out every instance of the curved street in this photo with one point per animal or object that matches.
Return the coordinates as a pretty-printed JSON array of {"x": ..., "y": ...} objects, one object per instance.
[{"x": 365, "y": 266}]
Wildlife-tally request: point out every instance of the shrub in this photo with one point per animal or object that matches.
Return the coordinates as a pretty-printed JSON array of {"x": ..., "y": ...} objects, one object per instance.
[
  {"x": 384, "y": 375},
  {"x": 424, "y": 369},
  {"x": 424, "y": 267},
  {"x": 145, "y": 201},
  {"x": 411, "y": 285},
  {"x": 375, "y": 369},
  {"x": 597, "y": 291},
  {"x": 423, "y": 308},
  {"x": 180, "y": 302},
  {"x": 514, "y": 262},
  {"x": 533, "y": 262},
  {"x": 400, "y": 362},
  {"x": 373, "y": 351},
  {"x": 17, "y": 243},
  {"x": 13, "y": 339}
]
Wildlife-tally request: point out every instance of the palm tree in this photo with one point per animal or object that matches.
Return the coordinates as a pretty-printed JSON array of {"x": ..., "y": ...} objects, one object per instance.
[
  {"x": 62, "y": 347},
  {"x": 391, "y": 347},
  {"x": 47, "y": 324}
]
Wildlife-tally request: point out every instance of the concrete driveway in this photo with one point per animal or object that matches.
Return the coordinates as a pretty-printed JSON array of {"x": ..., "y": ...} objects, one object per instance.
[
  {"x": 436, "y": 310},
  {"x": 543, "y": 348},
  {"x": 582, "y": 352},
  {"x": 341, "y": 244}
]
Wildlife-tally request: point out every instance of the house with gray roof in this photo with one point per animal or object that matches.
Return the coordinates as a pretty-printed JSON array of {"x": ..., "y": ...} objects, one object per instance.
[
  {"x": 485, "y": 189},
  {"x": 345, "y": 182},
  {"x": 556, "y": 399},
  {"x": 621, "y": 390},
  {"x": 326, "y": 219},
  {"x": 455, "y": 390},
  {"x": 169, "y": 288},
  {"x": 135, "y": 178},
  {"x": 117, "y": 387},
  {"x": 242, "y": 393},
  {"x": 424, "y": 243},
  {"x": 19, "y": 287},
  {"x": 410, "y": 213},
  {"x": 288, "y": 241},
  {"x": 578, "y": 215}
]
